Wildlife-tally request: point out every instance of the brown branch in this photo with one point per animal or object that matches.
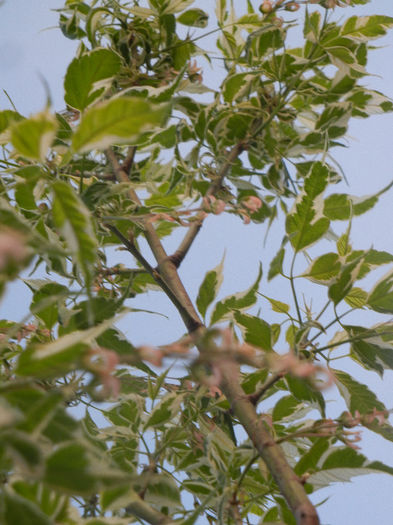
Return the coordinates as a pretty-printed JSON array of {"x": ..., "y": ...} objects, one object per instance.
[
  {"x": 139, "y": 508},
  {"x": 290, "y": 485},
  {"x": 179, "y": 255},
  {"x": 189, "y": 321},
  {"x": 166, "y": 268},
  {"x": 129, "y": 160}
]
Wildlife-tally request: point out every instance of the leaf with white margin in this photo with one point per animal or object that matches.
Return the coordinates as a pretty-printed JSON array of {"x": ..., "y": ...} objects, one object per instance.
[
  {"x": 72, "y": 218},
  {"x": 88, "y": 76},
  {"x": 237, "y": 302},
  {"x": 210, "y": 287},
  {"x": 117, "y": 121},
  {"x": 32, "y": 137}
]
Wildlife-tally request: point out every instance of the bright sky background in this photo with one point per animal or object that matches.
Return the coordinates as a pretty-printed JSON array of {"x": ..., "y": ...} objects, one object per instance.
[{"x": 30, "y": 52}]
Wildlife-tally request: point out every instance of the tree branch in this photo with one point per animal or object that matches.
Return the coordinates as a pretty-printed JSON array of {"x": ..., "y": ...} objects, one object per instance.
[
  {"x": 129, "y": 160},
  {"x": 179, "y": 255},
  {"x": 168, "y": 278},
  {"x": 144, "y": 511},
  {"x": 165, "y": 267},
  {"x": 189, "y": 321},
  {"x": 272, "y": 454}
]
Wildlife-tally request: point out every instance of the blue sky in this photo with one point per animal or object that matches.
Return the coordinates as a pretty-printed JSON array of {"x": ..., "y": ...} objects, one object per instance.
[{"x": 32, "y": 49}]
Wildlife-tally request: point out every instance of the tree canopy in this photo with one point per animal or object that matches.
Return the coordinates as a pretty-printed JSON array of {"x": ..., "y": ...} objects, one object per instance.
[{"x": 96, "y": 429}]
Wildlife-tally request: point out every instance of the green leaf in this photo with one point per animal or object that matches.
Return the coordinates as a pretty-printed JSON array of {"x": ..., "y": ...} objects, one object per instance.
[
  {"x": 343, "y": 283},
  {"x": 164, "y": 411},
  {"x": 69, "y": 468},
  {"x": 303, "y": 390},
  {"x": 209, "y": 288},
  {"x": 364, "y": 28},
  {"x": 256, "y": 331},
  {"x": 380, "y": 297},
  {"x": 278, "y": 306},
  {"x": 342, "y": 464},
  {"x": 236, "y": 85},
  {"x": 46, "y": 301},
  {"x": 238, "y": 302},
  {"x": 7, "y": 117},
  {"x": 340, "y": 206},
  {"x": 305, "y": 224},
  {"x": 72, "y": 218},
  {"x": 276, "y": 264},
  {"x": 285, "y": 407},
  {"x": 88, "y": 76},
  {"x": 117, "y": 121},
  {"x": 334, "y": 117},
  {"x": 22, "y": 511},
  {"x": 372, "y": 348},
  {"x": 324, "y": 268},
  {"x": 194, "y": 17},
  {"x": 356, "y": 298},
  {"x": 32, "y": 137},
  {"x": 356, "y": 395}
]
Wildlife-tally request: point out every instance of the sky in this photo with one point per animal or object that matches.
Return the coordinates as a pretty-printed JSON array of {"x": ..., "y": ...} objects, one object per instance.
[{"x": 34, "y": 54}]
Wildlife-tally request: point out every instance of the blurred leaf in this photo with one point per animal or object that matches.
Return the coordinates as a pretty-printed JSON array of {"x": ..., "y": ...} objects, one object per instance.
[
  {"x": 60, "y": 356},
  {"x": 32, "y": 137},
  {"x": 194, "y": 17},
  {"x": 22, "y": 511},
  {"x": 73, "y": 219},
  {"x": 375, "y": 352},
  {"x": 303, "y": 390}
]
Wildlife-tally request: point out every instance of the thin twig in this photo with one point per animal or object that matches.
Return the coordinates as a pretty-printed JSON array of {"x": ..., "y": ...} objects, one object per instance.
[
  {"x": 129, "y": 160},
  {"x": 254, "y": 398},
  {"x": 188, "y": 320},
  {"x": 179, "y": 255}
]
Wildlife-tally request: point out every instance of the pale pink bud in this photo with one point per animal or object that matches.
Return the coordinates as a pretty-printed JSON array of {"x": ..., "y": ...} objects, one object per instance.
[
  {"x": 252, "y": 203},
  {"x": 12, "y": 248}
]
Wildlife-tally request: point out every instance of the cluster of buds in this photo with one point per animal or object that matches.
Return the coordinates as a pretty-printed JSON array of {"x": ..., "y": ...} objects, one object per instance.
[
  {"x": 194, "y": 72},
  {"x": 213, "y": 205},
  {"x": 268, "y": 6},
  {"x": 349, "y": 421},
  {"x": 250, "y": 204},
  {"x": 25, "y": 331},
  {"x": 290, "y": 364}
]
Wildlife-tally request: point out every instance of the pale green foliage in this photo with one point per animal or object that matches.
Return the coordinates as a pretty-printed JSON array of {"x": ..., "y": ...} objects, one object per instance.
[{"x": 137, "y": 154}]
